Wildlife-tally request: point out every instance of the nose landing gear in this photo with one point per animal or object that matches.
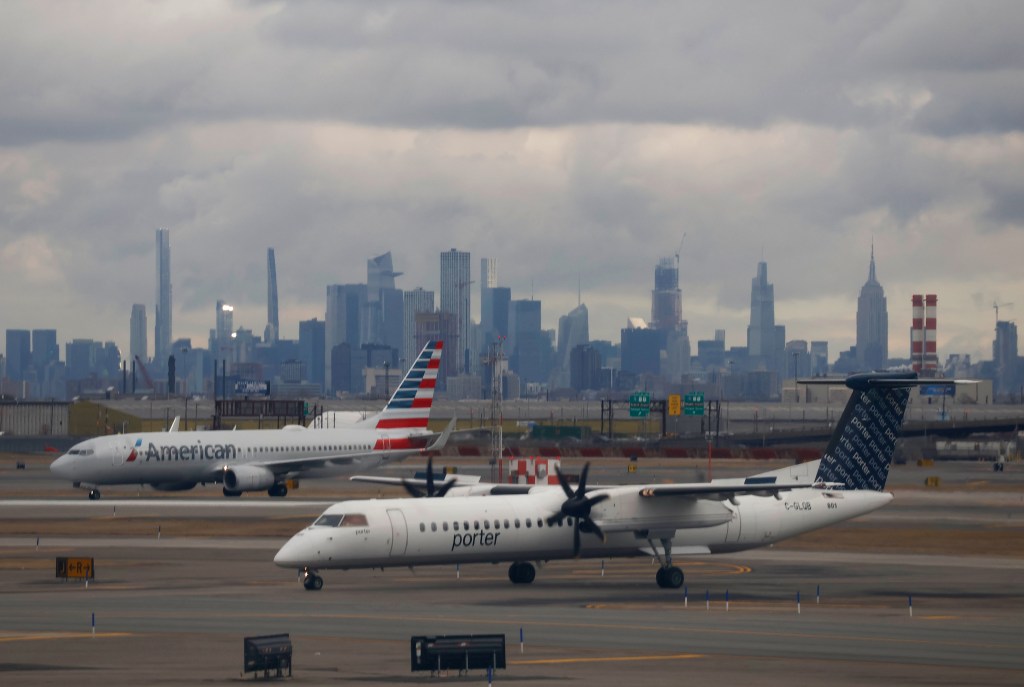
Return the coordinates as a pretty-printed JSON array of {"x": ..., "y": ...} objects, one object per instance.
[{"x": 311, "y": 581}]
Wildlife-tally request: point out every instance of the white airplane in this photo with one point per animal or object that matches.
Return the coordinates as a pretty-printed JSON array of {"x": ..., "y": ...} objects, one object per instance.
[
  {"x": 254, "y": 460},
  {"x": 651, "y": 519}
]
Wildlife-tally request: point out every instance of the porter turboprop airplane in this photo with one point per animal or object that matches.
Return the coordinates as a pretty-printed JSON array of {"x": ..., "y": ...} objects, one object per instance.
[
  {"x": 659, "y": 520},
  {"x": 254, "y": 460}
]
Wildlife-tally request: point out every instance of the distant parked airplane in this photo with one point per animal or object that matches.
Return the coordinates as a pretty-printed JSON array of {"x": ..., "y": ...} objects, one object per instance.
[{"x": 254, "y": 460}]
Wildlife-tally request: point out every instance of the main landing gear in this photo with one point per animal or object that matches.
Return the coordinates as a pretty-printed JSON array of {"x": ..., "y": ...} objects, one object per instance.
[
  {"x": 94, "y": 494},
  {"x": 311, "y": 581},
  {"x": 279, "y": 490},
  {"x": 669, "y": 576},
  {"x": 522, "y": 573}
]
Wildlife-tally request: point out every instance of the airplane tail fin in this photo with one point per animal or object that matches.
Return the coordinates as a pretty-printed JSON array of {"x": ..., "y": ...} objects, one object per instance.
[
  {"x": 860, "y": 451},
  {"x": 409, "y": 407}
]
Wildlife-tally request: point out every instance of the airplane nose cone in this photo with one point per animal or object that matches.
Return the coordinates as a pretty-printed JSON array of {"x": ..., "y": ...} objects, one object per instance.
[
  {"x": 63, "y": 467},
  {"x": 293, "y": 554}
]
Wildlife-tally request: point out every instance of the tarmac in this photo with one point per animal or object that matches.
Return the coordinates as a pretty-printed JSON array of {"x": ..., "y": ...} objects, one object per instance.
[{"x": 926, "y": 591}]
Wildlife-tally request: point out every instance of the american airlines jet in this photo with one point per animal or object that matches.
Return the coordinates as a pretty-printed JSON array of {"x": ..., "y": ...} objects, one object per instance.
[
  {"x": 491, "y": 524},
  {"x": 254, "y": 460}
]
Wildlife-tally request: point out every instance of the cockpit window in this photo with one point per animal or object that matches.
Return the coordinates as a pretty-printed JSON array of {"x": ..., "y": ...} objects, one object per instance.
[
  {"x": 341, "y": 520},
  {"x": 328, "y": 521},
  {"x": 81, "y": 452}
]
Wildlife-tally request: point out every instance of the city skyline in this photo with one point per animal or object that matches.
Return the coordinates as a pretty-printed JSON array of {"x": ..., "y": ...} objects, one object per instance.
[
  {"x": 705, "y": 330},
  {"x": 574, "y": 152}
]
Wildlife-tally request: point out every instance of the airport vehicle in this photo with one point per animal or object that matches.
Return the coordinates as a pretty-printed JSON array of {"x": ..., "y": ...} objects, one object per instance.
[
  {"x": 524, "y": 524},
  {"x": 254, "y": 460}
]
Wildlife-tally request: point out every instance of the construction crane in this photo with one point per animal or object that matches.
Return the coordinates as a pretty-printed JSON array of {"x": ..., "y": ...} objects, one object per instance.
[
  {"x": 680, "y": 250},
  {"x": 145, "y": 373},
  {"x": 1000, "y": 305}
]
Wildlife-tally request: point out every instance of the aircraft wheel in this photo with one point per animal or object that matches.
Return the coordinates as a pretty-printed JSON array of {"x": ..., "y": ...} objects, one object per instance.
[
  {"x": 671, "y": 578},
  {"x": 278, "y": 490},
  {"x": 94, "y": 495},
  {"x": 313, "y": 583},
  {"x": 231, "y": 494},
  {"x": 522, "y": 573}
]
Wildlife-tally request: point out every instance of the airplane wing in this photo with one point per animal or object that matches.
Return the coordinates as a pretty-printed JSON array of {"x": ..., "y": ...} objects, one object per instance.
[
  {"x": 767, "y": 486},
  {"x": 343, "y": 459}
]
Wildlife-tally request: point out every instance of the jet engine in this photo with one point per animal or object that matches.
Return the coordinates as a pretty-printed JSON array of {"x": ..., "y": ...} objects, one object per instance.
[{"x": 248, "y": 478}]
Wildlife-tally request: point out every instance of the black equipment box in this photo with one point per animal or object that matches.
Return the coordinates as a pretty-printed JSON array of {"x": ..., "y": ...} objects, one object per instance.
[
  {"x": 457, "y": 652},
  {"x": 268, "y": 652}
]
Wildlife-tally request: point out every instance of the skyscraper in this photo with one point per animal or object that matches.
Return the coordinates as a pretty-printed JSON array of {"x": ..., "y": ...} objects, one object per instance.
[
  {"x": 1005, "y": 358},
  {"x": 872, "y": 323},
  {"x": 138, "y": 344},
  {"x": 44, "y": 349},
  {"x": 415, "y": 302},
  {"x": 273, "y": 329},
  {"x": 19, "y": 353},
  {"x": 455, "y": 299},
  {"x": 162, "y": 333},
  {"x": 766, "y": 341},
  {"x": 573, "y": 332},
  {"x": 311, "y": 350},
  {"x": 761, "y": 331},
  {"x": 385, "y": 304},
  {"x": 666, "y": 298},
  {"x": 345, "y": 322}
]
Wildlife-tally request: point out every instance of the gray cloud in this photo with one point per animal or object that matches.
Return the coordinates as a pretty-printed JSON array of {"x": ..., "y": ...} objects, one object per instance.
[{"x": 570, "y": 140}]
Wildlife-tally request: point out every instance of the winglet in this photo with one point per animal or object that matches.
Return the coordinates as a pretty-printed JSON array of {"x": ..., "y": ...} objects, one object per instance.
[{"x": 441, "y": 440}]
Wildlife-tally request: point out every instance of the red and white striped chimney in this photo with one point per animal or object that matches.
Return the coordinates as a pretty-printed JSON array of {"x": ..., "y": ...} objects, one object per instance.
[{"x": 923, "y": 344}]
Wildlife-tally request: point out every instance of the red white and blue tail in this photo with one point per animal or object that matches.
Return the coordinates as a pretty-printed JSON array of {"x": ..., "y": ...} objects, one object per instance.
[{"x": 409, "y": 407}]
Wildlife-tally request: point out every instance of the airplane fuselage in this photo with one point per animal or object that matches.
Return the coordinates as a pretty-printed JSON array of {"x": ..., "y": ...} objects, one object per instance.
[
  {"x": 409, "y": 532},
  {"x": 187, "y": 458}
]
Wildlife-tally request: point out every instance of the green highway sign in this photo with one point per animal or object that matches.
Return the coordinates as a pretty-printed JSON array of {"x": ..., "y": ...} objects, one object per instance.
[
  {"x": 693, "y": 403},
  {"x": 640, "y": 404}
]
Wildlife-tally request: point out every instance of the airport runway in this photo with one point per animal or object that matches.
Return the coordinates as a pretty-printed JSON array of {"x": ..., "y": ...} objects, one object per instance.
[{"x": 174, "y": 609}]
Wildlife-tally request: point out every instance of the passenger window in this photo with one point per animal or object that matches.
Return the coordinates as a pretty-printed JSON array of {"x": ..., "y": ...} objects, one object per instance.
[
  {"x": 506, "y": 524},
  {"x": 423, "y": 527},
  {"x": 456, "y": 525},
  {"x": 433, "y": 527},
  {"x": 529, "y": 523},
  {"x": 476, "y": 524},
  {"x": 540, "y": 522},
  {"x": 444, "y": 526},
  {"x": 487, "y": 525},
  {"x": 465, "y": 524},
  {"x": 517, "y": 523}
]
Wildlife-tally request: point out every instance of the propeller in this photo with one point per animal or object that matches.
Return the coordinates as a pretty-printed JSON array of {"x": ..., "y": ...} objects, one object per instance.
[
  {"x": 577, "y": 506},
  {"x": 432, "y": 491}
]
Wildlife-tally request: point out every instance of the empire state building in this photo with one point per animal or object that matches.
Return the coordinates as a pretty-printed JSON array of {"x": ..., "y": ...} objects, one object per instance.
[{"x": 872, "y": 323}]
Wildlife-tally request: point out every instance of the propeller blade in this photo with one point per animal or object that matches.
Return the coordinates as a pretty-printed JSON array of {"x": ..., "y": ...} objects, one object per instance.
[
  {"x": 594, "y": 500},
  {"x": 582, "y": 488},
  {"x": 445, "y": 486},
  {"x": 569, "y": 493},
  {"x": 597, "y": 530}
]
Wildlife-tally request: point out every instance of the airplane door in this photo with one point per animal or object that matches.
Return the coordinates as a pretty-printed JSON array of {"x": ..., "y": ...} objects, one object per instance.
[{"x": 399, "y": 532}]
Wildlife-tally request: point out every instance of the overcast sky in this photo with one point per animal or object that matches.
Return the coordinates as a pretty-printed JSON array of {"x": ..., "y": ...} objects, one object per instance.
[{"x": 576, "y": 141}]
